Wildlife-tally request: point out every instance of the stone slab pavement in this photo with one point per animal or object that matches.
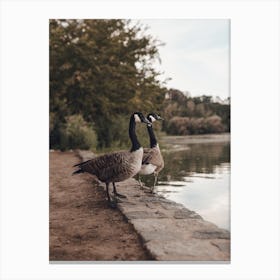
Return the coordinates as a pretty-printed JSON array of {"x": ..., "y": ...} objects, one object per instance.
[{"x": 169, "y": 231}]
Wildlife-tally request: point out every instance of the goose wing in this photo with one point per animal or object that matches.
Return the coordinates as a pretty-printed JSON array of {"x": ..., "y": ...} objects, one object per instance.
[
  {"x": 108, "y": 167},
  {"x": 153, "y": 156},
  {"x": 147, "y": 156}
]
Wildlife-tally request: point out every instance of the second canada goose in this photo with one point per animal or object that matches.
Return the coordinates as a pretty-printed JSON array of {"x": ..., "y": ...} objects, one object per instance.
[
  {"x": 117, "y": 166},
  {"x": 152, "y": 159}
]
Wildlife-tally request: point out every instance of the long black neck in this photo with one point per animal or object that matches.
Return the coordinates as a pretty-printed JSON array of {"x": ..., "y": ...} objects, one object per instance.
[
  {"x": 153, "y": 140},
  {"x": 132, "y": 135}
]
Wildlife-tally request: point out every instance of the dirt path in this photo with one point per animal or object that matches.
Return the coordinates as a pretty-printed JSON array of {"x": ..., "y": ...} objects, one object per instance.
[{"x": 82, "y": 227}]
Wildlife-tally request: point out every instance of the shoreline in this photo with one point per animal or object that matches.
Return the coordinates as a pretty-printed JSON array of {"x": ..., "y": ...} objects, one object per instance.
[
  {"x": 82, "y": 228},
  {"x": 195, "y": 139},
  {"x": 168, "y": 230}
]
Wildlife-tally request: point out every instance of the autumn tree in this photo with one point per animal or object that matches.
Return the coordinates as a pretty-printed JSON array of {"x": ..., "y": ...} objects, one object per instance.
[
  {"x": 101, "y": 70},
  {"x": 194, "y": 115}
]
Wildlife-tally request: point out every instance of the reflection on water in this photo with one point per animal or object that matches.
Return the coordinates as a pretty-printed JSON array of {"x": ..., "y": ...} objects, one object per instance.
[{"x": 198, "y": 176}]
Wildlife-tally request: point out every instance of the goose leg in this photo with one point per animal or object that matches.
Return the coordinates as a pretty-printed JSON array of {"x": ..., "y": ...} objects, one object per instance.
[
  {"x": 142, "y": 186},
  {"x": 111, "y": 203},
  {"x": 116, "y": 193},
  {"x": 155, "y": 181},
  {"x": 140, "y": 182}
]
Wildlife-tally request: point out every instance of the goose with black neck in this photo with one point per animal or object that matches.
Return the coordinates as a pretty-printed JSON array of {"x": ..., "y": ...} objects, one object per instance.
[
  {"x": 117, "y": 166},
  {"x": 152, "y": 162}
]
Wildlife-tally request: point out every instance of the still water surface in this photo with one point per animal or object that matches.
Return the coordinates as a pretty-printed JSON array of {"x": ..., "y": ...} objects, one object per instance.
[{"x": 197, "y": 174}]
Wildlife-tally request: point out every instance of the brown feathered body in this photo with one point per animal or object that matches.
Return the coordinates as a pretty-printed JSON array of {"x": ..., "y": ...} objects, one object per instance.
[
  {"x": 152, "y": 161},
  {"x": 114, "y": 167}
]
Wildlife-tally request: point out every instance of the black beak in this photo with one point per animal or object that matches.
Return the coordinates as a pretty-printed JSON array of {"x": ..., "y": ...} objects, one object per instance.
[{"x": 160, "y": 118}]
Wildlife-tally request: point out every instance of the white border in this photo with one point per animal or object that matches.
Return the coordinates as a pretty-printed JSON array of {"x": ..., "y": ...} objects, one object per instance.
[{"x": 255, "y": 138}]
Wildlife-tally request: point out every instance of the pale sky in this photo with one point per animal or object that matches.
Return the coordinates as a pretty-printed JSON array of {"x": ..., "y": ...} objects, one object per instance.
[{"x": 195, "y": 55}]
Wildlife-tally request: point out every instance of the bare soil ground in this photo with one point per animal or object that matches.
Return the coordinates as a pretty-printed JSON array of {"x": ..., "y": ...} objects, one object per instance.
[{"x": 81, "y": 226}]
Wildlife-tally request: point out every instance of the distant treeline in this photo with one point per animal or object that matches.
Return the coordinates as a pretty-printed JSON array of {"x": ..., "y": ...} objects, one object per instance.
[
  {"x": 103, "y": 70},
  {"x": 187, "y": 115}
]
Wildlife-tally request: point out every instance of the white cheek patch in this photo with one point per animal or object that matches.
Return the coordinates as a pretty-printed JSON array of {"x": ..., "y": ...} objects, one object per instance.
[
  {"x": 136, "y": 118},
  {"x": 152, "y": 119}
]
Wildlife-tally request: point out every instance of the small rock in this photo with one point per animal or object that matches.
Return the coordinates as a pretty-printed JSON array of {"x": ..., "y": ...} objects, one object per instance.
[
  {"x": 145, "y": 215},
  {"x": 186, "y": 214},
  {"x": 219, "y": 234}
]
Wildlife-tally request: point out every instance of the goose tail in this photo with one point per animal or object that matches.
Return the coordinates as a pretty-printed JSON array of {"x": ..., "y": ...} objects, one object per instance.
[
  {"x": 81, "y": 163},
  {"x": 78, "y": 171},
  {"x": 82, "y": 167}
]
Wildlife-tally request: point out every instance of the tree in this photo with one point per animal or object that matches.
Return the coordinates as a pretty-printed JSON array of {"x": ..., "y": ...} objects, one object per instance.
[
  {"x": 194, "y": 115},
  {"x": 102, "y": 69}
]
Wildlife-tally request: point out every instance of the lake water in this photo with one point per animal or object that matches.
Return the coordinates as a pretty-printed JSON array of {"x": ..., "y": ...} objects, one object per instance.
[{"x": 197, "y": 174}]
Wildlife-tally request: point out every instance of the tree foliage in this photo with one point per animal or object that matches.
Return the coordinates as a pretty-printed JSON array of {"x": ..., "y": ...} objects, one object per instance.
[
  {"x": 194, "y": 115},
  {"x": 101, "y": 70}
]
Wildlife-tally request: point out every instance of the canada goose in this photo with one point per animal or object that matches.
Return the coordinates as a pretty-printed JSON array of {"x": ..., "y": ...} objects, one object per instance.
[
  {"x": 117, "y": 166},
  {"x": 152, "y": 159}
]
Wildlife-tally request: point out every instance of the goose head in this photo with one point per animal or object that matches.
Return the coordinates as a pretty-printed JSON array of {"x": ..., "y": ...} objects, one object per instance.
[
  {"x": 152, "y": 117},
  {"x": 139, "y": 117}
]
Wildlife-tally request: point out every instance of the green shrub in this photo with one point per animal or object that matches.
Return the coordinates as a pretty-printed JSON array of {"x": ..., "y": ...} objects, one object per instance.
[
  {"x": 72, "y": 133},
  {"x": 79, "y": 133}
]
